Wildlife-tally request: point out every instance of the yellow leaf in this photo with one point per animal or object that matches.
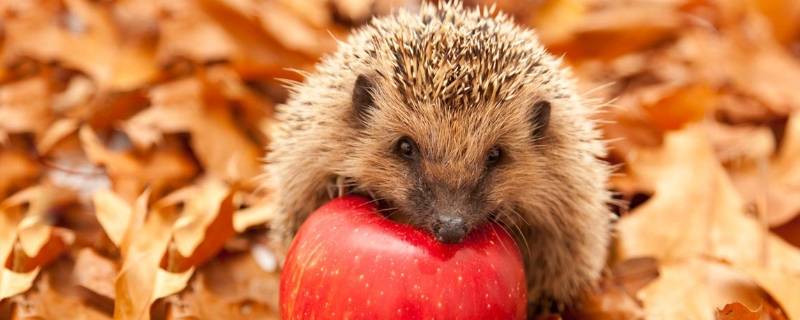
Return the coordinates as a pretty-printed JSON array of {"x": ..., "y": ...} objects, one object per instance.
[
  {"x": 13, "y": 283},
  {"x": 198, "y": 213},
  {"x": 169, "y": 283},
  {"x": 782, "y": 286},
  {"x": 695, "y": 288},
  {"x": 695, "y": 210},
  {"x": 136, "y": 282},
  {"x": 259, "y": 214},
  {"x": 9, "y": 219},
  {"x": 57, "y": 131},
  {"x": 113, "y": 213},
  {"x": 95, "y": 272}
]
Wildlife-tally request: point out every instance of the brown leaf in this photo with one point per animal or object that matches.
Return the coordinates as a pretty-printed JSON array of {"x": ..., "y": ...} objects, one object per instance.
[
  {"x": 57, "y": 297},
  {"x": 695, "y": 210},
  {"x": 257, "y": 214},
  {"x": 140, "y": 280},
  {"x": 205, "y": 224},
  {"x": 737, "y": 311},
  {"x": 740, "y": 143},
  {"x": 776, "y": 181},
  {"x": 782, "y": 286},
  {"x": 189, "y": 32},
  {"x": 618, "y": 29},
  {"x": 55, "y": 133},
  {"x": 95, "y": 272},
  {"x": 33, "y": 230},
  {"x": 683, "y": 105},
  {"x": 13, "y": 283},
  {"x": 18, "y": 169},
  {"x": 58, "y": 242},
  {"x": 181, "y": 107},
  {"x": 113, "y": 213},
  {"x": 129, "y": 173},
  {"x": 245, "y": 293},
  {"x": 24, "y": 106},
  {"x": 276, "y": 19},
  {"x": 695, "y": 288}
]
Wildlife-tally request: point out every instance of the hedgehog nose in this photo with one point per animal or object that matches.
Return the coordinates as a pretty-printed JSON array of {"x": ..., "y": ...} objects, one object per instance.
[{"x": 450, "y": 229}]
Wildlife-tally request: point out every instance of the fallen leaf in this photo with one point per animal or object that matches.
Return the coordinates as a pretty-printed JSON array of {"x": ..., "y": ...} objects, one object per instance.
[
  {"x": 136, "y": 287},
  {"x": 275, "y": 19},
  {"x": 244, "y": 294},
  {"x": 693, "y": 189},
  {"x": 737, "y": 311},
  {"x": 130, "y": 174},
  {"x": 258, "y": 214},
  {"x": 57, "y": 297},
  {"x": 618, "y": 29},
  {"x": 24, "y": 106},
  {"x": 112, "y": 213},
  {"x": 781, "y": 286},
  {"x": 57, "y": 131},
  {"x": 695, "y": 288},
  {"x": 777, "y": 180},
  {"x": 684, "y": 105},
  {"x": 95, "y": 272},
  {"x": 190, "y": 32},
  {"x": 13, "y": 283},
  {"x": 183, "y": 106},
  {"x": 734, "y": 144},
  {"x": 206, "y": 222},
  {"x": 18, "y": 169}
]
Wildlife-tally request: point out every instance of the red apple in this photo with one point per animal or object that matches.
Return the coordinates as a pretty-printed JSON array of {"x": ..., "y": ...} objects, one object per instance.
[{"x": 349, "y": 262}]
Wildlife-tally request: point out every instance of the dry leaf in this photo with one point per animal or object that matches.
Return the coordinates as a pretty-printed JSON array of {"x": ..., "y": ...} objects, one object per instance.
[
  {"x": 13, "y": 283},
  {"x": 24, "y": 106},
  {"x": 56, "y": 297},
  {"x": 113, "y": 213},
  {"x": 57, "y": 131},
  {"x": 694, "y": 289},
  {"x": 615, "y": 30},
  {"x": 256, "y": 215},
  {"x": 205, "y": 224},
  {"x": 781, "y": 286},
  {"x": 775, "y": 181},
  {"x": 136, "y": 287},
  {"x": 173, "y": 102},
  {"x": 740, "y": 143},
  {"x": 736, "y": 311},
  {"x": 130, "y": 174},
  {"x": 181, "y": 107},
  {"x": 695, "y": 211},
  {"x": 189, "y": 32},
  {"x": 18, "y": 168},
  {"x": 95, "y": 272},
  {"x": 248, "y": 292}
]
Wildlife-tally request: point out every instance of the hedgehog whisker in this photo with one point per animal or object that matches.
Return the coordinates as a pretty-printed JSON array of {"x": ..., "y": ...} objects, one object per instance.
[
  {"x": 505, "y": 229},
  {"x": 517, "y": 227}
]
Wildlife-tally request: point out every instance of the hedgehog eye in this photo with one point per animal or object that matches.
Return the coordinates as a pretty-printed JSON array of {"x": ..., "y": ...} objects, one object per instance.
[
  {"x": 494, "y": 156},
  {"x": 406, "y": 148}
]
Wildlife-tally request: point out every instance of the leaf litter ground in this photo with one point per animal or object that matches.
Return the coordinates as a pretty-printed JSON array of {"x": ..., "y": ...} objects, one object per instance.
[{"x": 131, "y": 133}]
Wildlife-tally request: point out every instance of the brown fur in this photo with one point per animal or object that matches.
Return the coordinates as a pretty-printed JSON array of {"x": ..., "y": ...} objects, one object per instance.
[{"x": 458, "y": 82}]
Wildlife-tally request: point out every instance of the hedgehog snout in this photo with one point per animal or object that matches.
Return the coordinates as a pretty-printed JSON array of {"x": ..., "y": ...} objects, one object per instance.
[{"x": 450, "y": 228}]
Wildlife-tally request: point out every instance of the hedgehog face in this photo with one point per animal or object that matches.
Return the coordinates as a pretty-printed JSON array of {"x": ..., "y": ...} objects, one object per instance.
[{"x": 442, "y": 169}]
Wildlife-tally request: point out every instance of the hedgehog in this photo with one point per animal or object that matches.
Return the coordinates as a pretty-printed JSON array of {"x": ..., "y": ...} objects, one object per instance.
[{"x": 451, "y": 117}]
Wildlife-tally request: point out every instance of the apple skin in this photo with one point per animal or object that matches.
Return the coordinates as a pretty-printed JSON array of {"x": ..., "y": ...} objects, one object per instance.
[{"x": 349, "y": 262}]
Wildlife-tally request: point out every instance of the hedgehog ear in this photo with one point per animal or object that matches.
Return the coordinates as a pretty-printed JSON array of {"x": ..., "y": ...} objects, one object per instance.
[
  {"x": 363, "y": 101},
  {"x": 540, "y": 117}
]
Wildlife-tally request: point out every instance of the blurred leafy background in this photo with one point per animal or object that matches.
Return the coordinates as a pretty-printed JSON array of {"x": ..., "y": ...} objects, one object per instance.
[{"x": 131, "y": 133}]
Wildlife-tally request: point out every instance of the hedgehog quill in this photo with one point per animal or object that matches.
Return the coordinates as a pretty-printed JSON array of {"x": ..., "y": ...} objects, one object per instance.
[{"x": 450, "y": 118}]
